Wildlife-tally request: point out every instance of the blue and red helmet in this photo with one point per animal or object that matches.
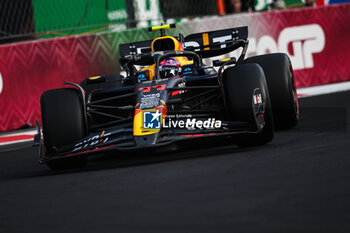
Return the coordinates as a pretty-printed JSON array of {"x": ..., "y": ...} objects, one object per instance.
[
  {"x": 172, "y": 61},
  {"x": 170, "y": 67}
]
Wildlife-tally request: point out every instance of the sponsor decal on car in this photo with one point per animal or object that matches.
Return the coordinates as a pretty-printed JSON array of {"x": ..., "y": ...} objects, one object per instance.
[
  {"x": 142, "y": 76},
  {"x": 157, "y": 87},
  {"x": 151, "y": 119},
  {"x": 149, "y": 100},
  {"x": 192, "y": 123},
  {"x": 257, "y": 99},
  {"x": 91, "y": 141}
]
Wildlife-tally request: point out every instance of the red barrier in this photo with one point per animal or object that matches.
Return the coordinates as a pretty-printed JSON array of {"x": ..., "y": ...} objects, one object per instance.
[
  {"x": 28, "y": 69},
  {"x": 316, "y": 38}
]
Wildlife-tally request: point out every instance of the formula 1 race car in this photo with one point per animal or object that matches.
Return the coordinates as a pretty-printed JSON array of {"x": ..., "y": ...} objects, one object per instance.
[{"x": 167, "y": 95}]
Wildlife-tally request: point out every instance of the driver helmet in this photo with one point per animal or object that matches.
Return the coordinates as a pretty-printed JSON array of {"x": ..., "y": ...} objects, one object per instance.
[{"x": 170, "y": 67}]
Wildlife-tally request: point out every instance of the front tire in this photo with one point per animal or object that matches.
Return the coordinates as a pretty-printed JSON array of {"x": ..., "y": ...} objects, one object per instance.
[
  {"x": 280, "y": 81},
  {"x": 63, "y": 124},
  {"x": 240, "y": 82}
]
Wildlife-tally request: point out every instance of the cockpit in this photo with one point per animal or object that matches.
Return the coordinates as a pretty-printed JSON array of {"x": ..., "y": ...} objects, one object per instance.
[{"x": 170, "y": 67}]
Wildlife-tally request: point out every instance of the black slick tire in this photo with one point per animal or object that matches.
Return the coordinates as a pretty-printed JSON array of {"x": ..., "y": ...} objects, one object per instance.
[
  {"x": 239, "y": 83},
  {"x": 280, "y": 81},
  {"x": 63, "y": 124}
]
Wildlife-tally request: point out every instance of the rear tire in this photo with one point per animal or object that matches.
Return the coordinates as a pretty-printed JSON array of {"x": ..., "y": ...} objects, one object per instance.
[
  {"x": 63, "y": 124},
  {"x": 280, "y": 81},
  {"x": 240, "y": 82}
]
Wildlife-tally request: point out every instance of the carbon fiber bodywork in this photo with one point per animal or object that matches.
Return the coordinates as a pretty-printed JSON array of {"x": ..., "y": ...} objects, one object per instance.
[{"x": 115, "y": 117}]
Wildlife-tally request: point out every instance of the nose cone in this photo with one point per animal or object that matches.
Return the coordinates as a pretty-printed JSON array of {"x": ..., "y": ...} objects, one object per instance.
[{"x": 146, "y": 140}]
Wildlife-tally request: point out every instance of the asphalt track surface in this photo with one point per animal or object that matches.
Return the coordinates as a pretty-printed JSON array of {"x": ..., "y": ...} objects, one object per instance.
[{"x": 298, "y": 183}]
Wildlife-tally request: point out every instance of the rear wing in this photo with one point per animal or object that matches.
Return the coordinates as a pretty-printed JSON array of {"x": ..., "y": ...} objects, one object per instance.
[
  {"x": 135, "y": 48},
  {"x": 216, "y": 43},
  {"x": 206, "y": 44}
]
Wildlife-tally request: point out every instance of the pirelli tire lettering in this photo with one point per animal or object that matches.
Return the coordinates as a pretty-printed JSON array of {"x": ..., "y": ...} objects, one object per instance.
[{"x": 305, "y": 41}]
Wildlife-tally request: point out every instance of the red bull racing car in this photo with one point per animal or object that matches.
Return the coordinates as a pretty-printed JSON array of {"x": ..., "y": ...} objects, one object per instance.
[{"x": 168, "y": 95}]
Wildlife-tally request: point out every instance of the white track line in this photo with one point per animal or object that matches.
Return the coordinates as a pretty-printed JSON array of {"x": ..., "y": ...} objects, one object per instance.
[
  {"x": 20, "y": 132},
  {"x": 323, "y": 89},
  {"x": 17, "y": 137},
  {"x": 15, "y": 141}
]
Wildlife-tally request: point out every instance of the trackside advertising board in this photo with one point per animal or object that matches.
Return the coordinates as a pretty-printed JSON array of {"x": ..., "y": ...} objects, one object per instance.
[{"x": 315, "y": 38}]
